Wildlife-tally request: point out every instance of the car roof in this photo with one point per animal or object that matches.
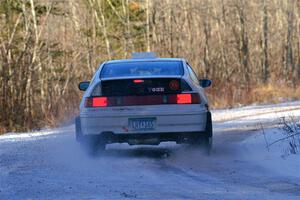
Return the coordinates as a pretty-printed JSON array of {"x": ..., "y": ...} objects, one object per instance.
[{"x": 145, "y": 60}]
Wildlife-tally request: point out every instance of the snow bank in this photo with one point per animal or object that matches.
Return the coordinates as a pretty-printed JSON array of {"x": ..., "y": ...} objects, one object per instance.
[
  {"x": 255, "y": 110},
  {"x": 251, "y": 117},
  {"x": 35, "y": 134},
  {"x": 273, "y": 159}
]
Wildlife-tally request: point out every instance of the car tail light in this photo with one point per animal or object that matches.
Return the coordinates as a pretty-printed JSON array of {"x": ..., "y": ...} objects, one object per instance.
[
  {"x": 184, "y": 98},
  {"x": 138, "y": 81},
  {"x": 99, "y": 101},
  {"x": 96, "y": 102}
]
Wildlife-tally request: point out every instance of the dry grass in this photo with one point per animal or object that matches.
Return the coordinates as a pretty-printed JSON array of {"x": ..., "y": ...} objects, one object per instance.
[
  {"x": 2, "y": 130},
  {"x": 272, "y": 93},
  {"x": 289, "y": 127},
  {"x": 269, "y": 93}
]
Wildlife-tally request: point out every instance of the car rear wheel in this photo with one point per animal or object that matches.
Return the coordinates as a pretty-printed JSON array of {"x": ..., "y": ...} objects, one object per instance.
[
  {"x": 78, "y": 132},
  {"x": 208, "y": 137},
  {"x": 205, "y": 140},
  {"x": 93, "y": 144}
]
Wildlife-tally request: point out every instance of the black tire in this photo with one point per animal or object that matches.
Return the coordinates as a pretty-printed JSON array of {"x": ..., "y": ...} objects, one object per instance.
[
  {"x": 208, "y": 136},
  {"x": 93, "y": 144},
  {"x": 205, "y": 139},
  {"x": 78, "y": 133}
]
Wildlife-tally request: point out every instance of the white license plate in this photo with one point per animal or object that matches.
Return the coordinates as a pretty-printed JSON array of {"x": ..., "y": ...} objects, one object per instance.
[{"x": 142, "y": 124}]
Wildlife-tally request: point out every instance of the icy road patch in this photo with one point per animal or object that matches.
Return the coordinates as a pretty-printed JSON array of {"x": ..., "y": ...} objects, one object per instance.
[{"x": 50, "y": 165}]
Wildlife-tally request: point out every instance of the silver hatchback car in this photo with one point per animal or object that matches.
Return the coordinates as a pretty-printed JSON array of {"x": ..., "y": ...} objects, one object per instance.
[{"x": 144, "y": 100}]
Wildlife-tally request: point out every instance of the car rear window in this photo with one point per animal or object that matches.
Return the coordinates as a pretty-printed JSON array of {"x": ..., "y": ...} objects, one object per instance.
[{"x": 143, "y": 68}]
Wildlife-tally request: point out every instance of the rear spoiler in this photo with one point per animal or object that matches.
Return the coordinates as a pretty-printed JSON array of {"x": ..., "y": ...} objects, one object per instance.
[{"x": 139, "y": 77}]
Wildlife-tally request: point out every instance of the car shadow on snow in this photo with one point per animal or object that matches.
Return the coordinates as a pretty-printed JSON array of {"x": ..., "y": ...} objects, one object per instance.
[
  {"x": 154, "y": 152},
  {"x": 162, "y": 151}
]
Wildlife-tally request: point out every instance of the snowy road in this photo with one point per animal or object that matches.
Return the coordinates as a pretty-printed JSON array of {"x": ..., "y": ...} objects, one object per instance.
[{"x": 50, "y": 165}]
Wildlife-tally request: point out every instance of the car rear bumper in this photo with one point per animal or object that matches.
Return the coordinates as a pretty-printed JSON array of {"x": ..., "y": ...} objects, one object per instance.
[
  {"x": 173, "y": 120},
  {"x": 151, "y": 138}
]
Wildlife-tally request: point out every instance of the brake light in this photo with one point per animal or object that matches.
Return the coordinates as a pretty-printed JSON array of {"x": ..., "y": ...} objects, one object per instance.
[
  {"x": 184, "y": 99},
  {"x": 99, "y": 101},
  {"x": 138, "y": 81},
  {"x": 96, "y": 102}
]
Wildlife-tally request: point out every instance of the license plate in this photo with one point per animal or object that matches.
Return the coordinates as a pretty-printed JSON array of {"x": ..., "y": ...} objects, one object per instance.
[{"x": 142, "y": 124}]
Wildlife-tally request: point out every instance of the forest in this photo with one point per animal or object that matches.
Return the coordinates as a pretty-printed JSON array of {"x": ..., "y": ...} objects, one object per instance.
[{"x": 249, "y": 49}]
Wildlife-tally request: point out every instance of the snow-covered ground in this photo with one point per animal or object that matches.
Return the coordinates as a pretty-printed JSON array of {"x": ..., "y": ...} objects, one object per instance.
[{"x": 50, "y": 165}]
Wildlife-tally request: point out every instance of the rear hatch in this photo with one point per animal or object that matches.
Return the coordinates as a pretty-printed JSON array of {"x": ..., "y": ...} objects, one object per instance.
[
  {"x": 142, "y": 91},
  {"x": 141, "y": 87}
]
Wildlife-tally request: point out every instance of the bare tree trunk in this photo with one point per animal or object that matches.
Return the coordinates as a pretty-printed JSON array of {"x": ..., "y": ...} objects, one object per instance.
[
  {"x": 220, "y": 26},
  {"x": 243, "y": 43},
  {"x": 148, "y": 25},
  {"x": 170, "y": 24},
  {"x": 298, "y": 20},
  {"x": 207, "y": 35},
  {"x": 289, "y": 61},
  {"x": 265, "y": 60},
  {"x": 128, "y": 26},
  {"x": 102, "y": 24}
]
